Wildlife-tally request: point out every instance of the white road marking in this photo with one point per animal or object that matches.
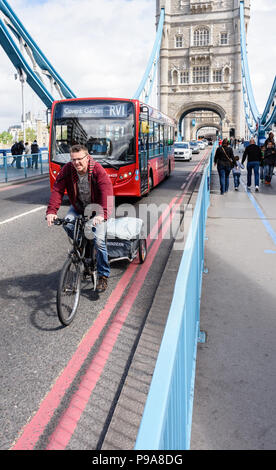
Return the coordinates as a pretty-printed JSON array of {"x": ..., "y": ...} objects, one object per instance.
[{"x": 22, "y": 215}]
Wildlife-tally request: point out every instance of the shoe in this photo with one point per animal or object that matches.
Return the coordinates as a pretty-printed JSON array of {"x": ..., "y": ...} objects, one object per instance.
[
  {"x": 248, "y": 188},
  {"x": 262, "y": 181},
  {"x": 236, "y": 189},
  {"x": 102, "y": 284},
  {"x": 257, "y": 188}
]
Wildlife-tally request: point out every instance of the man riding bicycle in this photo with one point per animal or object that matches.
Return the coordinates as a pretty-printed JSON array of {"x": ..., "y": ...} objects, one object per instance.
[{"x": 86, "y": 183}]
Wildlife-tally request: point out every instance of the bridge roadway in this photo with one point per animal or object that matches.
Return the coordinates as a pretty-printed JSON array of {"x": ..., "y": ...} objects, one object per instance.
[{"x": 70, "y": 388}]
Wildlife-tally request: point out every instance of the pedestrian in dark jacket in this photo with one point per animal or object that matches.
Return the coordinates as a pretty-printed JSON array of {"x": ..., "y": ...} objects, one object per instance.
[
  {"x": 225, "y": 161},
  {"x": 14, "y": 152},
  {"x": 35, "y": 151},
  {"x": 86, "y": 183},
  {"x": 269, "y": 162},
  {"x": 270, "y": 139},
  {"x": 19, "y": 150},
  {"x": 253, "y": 154}
]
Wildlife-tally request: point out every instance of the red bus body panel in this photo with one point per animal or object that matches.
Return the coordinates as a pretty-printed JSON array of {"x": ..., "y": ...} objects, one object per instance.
[{"x": 129, "y": 183}]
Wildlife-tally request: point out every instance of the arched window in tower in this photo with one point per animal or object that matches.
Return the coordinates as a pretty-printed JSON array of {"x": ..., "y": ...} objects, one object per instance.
[
  {"x": 226, "y": 75},
  {"x": 174, "y": 77},
  {"x": 201, "y": 37}
]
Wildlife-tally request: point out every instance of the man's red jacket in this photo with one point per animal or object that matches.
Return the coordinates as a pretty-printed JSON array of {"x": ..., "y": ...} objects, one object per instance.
[{"x": 100, "y": 185}]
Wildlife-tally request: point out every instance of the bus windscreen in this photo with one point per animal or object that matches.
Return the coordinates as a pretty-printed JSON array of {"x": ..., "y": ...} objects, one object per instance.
[{"x": 106, "y": 128}]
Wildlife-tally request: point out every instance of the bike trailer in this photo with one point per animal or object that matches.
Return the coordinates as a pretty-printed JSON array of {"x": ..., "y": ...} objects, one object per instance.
[{"x": 125, "y": 239}]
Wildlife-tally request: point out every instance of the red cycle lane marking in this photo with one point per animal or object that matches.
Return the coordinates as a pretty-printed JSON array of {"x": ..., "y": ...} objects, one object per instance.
[
  {"x": 69, "y": 420},
  {"x": 34, "y": 429}
]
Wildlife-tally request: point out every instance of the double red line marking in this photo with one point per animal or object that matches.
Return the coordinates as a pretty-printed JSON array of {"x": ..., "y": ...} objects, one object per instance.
[{"x": 69, "y": 420}]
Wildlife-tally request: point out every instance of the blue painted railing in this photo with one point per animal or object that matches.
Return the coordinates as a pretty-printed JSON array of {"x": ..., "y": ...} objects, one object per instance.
[
  {"x": 9, "y": 171},
  {"x": 167, "y": 419}
]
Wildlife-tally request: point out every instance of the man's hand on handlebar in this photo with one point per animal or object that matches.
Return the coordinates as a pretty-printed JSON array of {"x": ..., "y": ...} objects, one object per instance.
[
  {"x": 50, "y": 219},
  {"x": 98, "y": 219}
]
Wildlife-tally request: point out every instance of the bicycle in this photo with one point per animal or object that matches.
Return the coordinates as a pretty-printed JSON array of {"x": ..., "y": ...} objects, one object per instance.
[{"x": 76, "y": 266}]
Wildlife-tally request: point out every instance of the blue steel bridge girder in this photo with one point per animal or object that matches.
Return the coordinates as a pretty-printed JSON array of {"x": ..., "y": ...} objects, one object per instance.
[
  {"x": 28, "y": 59},
  {"x": 144, "y": 90},
  {"x": 257, "y": 124}
]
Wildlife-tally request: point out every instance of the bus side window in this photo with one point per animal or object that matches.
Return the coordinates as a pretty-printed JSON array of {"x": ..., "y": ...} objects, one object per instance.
[
  {"x": 166, "y": 130},
  {"x": 156, "y": 138},
  {"x": 151, "y": 139},
  {"x": 161, "y": 142}
]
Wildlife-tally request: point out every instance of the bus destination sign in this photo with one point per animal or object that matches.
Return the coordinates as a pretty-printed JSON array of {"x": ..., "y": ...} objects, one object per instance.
[{"x": 114, "y": 110}]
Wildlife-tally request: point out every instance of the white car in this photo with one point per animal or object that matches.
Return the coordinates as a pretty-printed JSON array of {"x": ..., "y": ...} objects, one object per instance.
[
  {"x": 182, "y": 151},
  {"x": 201, "y": 145}
]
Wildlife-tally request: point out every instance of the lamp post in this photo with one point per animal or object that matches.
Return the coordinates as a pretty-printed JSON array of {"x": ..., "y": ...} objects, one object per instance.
[{"x": 22, "y": 79}]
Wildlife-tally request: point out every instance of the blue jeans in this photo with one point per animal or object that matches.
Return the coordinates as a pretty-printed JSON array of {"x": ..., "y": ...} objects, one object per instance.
[
  {"x": 236, "y": 177},
  {"x": 224, "y": 172},
  {"x": 253, "y": 166},
  {"x": 268, "y": 172},
  {"x": 99, "y": 231}
]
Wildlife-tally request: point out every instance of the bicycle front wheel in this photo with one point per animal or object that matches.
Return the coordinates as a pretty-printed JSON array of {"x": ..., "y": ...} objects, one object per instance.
[{"x": 68, "y": 293}]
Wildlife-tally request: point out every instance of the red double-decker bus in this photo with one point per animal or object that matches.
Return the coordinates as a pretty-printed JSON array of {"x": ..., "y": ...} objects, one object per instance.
[{"x": 131, "y": 140}]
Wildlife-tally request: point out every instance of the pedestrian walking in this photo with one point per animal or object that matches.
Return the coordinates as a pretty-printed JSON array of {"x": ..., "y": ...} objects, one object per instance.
[
  {"x": 225, "y": 161},
  {"x": 236, "y": 171},
  {"x": 19, "y": 151},
  {"x": 14, "y": 152},
  {"x": 270, "y": 139},
  {"x": 253, "y": 155},
  {"x": 269, "y": 162},
  {"x": 28, "y": 154},
  {"x": 262, "y": 164},
  {"x": 35, "y": 151}
]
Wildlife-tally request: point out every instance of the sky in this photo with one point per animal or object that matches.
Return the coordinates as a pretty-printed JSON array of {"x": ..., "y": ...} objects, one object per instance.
[{"x": 101, "y": 48}]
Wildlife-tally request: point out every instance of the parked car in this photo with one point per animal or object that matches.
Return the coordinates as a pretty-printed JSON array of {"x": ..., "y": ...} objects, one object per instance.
[
  {"x": 182, "y": 151},
  {"x": 195, "y": 147}
]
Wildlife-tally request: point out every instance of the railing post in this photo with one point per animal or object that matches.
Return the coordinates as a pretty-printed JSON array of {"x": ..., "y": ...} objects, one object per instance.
[
  {"x": 5, "y": 167},
  {"x": 40, "y": 162},
  {"x": 25, "y": 168}
]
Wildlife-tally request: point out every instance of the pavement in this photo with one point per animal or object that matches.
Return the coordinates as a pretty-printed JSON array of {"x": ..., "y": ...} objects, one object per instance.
[
  {"x": 234, "y": 401},
  {"x": 16, "y": 175}
]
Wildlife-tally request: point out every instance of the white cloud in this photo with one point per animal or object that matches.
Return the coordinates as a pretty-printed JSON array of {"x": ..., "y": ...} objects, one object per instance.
[
  {"x": 261, "y": 49},
  {"x": 101, "y": 48}
]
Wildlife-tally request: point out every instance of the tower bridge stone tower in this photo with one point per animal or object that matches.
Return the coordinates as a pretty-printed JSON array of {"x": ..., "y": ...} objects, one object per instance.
[{"x": 200, "y": 64}]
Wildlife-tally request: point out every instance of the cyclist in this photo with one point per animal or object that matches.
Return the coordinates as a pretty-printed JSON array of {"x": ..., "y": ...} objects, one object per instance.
[{"x": 86, "y": 183}]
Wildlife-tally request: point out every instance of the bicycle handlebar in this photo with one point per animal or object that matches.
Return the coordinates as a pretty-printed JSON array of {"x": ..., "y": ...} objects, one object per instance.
[
  {"x": 58, "y": 221},
  {"x": 64, "y": 221}
]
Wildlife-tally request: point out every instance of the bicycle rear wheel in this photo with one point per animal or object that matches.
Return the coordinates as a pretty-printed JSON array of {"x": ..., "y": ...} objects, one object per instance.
[
  {"x": 142, "y": 250},
  {"x": 68, "y": 293}
]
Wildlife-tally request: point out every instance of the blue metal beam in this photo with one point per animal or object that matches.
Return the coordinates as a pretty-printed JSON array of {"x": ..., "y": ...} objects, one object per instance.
[
  {"x": 145, "y": 88},
  {"x": 263, "y": 122},
  {"x": 10, "y": 23},
  {"x": 271, "y": 99},
  {"x": 20, "y": 64},
  {"x": 245, "y": 67}
]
